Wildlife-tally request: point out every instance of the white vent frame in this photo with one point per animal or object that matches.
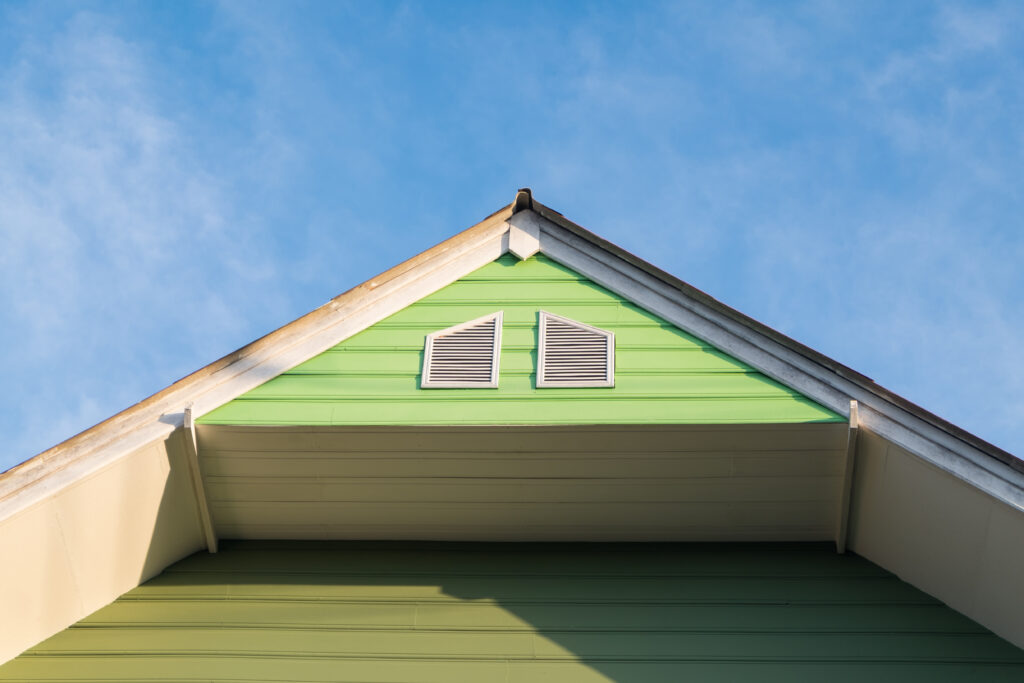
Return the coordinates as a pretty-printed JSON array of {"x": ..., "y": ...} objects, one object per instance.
[
  {"x": 542, "y": 360},
  {"x": 428, "y": 356}
]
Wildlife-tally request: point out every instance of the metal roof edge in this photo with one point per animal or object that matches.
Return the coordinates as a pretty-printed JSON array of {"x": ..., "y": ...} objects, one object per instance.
[{"x": 817, "y": 357}]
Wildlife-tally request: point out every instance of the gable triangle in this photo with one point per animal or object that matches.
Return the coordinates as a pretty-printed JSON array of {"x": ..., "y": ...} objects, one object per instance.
[{"x": 662, "y": 376}]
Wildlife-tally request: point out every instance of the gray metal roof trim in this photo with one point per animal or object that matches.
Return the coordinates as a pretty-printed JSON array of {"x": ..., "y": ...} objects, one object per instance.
[{"x": 821, "y": 359}]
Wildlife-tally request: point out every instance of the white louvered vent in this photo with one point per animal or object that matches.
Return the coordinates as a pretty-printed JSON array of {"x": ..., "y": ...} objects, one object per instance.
[
  {"x": 574, "y": 355},
  {"x": 463, "y": 356}
]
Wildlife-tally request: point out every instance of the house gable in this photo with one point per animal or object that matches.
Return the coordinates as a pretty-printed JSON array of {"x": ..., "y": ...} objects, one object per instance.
[
  {"x": 112, "y": 506},
  {"x": 663, "y": 375}
]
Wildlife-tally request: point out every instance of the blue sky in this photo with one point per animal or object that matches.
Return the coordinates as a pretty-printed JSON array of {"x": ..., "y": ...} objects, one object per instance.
[{"x": 178, "y": 179}]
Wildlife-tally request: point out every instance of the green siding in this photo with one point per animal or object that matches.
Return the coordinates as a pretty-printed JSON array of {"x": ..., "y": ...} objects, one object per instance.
[
  {"x": 663, "y": 375},
  {"x": 522, "y": 613}
]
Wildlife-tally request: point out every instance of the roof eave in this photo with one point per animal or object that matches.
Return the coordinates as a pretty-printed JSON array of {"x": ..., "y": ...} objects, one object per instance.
[
  {"x": 175, "y": 397},
  {"x": 167, "y": 406},
  {"x": 817, "y": 357}
]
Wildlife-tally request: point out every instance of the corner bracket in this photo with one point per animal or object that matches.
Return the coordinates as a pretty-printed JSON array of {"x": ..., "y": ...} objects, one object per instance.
[
  {"x": 192, "y": 457},
  {"x": 843, "y": 514}
]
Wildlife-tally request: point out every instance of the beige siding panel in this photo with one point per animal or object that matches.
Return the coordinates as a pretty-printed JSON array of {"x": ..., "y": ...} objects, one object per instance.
[
  {"x": 92, "y": 541},
  {"x": 656, "y": 514},
  {"x": 526, "y": 490},
  {"x": 1000, "y": 596},
  {"x": 727, "y": 531},
  {"x": 609, "y": 482},
  {"x": 940, "y": 534},
  {"x": 126, "y": 523},
  {"x": 543, "y": 464},
  {"x": 567, "y": 439},
  {"x": 789, "y": 520},
  {"x": 38, "y": 593}
]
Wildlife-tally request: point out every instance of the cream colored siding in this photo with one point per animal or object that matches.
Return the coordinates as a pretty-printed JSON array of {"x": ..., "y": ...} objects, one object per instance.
[
  {"x": 76, "y": 551},
  {"x": 681, "y": 482},
  {"x": 940, "y": 534}
]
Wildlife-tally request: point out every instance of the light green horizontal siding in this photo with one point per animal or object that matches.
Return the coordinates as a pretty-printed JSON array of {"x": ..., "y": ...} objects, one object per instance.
[
  {"x": 663, "y": 375},
  {"x": 482, "y": 612}
]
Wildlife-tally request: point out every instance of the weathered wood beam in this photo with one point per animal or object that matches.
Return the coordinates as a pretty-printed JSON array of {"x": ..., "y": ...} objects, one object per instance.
[
  {"x": 843, "y": 516},
  {"x": 192, "y": 457}
]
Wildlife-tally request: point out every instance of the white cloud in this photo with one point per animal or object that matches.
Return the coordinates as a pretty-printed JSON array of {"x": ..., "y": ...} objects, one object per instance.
[
  {"x": 882, "y": 233},
  {"x": 966, "y": 28},
  {"x": 849, "y": 193},
  {"x": 113, "y": 232}
]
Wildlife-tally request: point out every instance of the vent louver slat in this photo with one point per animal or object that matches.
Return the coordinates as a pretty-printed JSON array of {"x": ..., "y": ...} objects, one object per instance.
[
  {"x": 464, "y": 356},
  {"x": 574, "y": 355}
]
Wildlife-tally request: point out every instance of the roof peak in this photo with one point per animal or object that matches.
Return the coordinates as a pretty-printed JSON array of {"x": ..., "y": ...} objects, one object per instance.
[{"x": 523, "y": 200}]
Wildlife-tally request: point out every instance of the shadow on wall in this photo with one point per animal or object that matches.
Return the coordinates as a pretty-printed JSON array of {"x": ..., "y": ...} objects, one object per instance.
[
  {"x": 177, "y": 531},
  {"x": 299, "y": 611},
  {"x": 79, "y": 546}
]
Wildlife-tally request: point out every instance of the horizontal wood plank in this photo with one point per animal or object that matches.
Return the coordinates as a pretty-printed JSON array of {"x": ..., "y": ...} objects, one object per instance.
[{"x": 280, "y": 611}]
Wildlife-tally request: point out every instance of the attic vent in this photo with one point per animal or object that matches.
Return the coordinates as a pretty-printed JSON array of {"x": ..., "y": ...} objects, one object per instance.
[
  {"x": 574, "y": 355},
  {"x": 463, "y": 356}
]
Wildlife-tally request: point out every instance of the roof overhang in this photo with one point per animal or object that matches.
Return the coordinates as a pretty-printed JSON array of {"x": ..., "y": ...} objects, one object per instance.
[
  {"x": 133, "y": 470},
  {"x": 722, "y": 482},
  {"x": 953, "y": 450}
]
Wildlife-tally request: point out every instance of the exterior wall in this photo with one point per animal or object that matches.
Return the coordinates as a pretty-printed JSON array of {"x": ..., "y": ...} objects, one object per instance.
[
  {"x": 663, "y": 375},
  {"x": 940, "y": 534},
  {"x": 778, "y": 482},
  {"x": 79, "y": 549},
  {"x": 518, "y": 614},
  {"x": 98, "y": 514}
]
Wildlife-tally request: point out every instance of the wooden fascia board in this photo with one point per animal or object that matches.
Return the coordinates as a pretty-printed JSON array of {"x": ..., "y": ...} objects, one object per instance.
[
  {"x": 227, "y": 378},
  {"x": 779, "y": 361},
  {"x": 846, "y": 491},
  {"x": 195, "y": 473}
]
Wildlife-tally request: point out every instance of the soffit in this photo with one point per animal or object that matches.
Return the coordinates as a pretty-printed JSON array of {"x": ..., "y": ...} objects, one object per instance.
[{"x": 509, "y": 483}]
